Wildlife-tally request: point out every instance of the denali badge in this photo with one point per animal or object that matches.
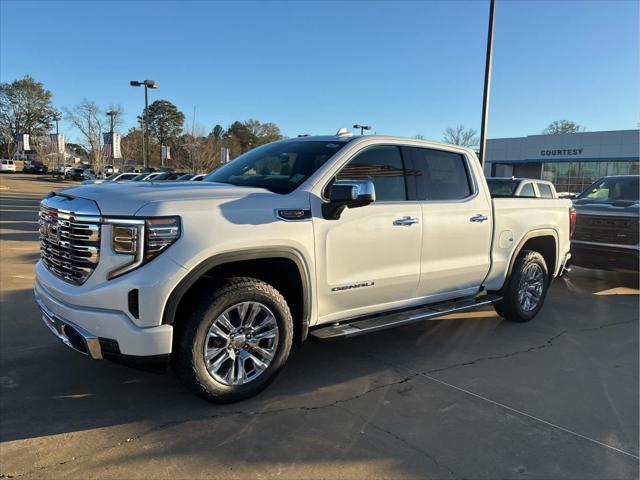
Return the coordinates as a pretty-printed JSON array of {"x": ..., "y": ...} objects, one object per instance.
[{"x": 355, "y": 285}]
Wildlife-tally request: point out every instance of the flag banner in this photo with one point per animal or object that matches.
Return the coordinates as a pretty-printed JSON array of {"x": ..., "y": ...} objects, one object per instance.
[
  {"x": 166, "y": 152},
  {"x": 57, "y": 142},
  {"x": 108, "y": 147},
  {"x": 23, "y": 142},
  {"x": 115, "y": 146},
  {"x": 224, "y": 154},
  {"x": 111, "y": 147}
]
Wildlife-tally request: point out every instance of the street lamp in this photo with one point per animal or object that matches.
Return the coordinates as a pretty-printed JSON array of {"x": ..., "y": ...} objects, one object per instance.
[
  {"x": 147, "y": 84},
  {"x": 362, "y": 128}
]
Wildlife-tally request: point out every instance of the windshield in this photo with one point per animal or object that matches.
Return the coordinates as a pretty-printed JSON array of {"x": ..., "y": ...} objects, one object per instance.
[
  {"x": 612, "y": 189},
  {"x": 113, "y": 176},
  {"x": 279, "y": 167},
  {"x": 502, "y": 187}
]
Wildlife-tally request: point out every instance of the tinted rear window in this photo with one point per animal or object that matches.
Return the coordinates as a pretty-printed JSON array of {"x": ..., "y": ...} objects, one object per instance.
[
  {"x": 545, "y": 190},
  {"x": 527, "y": 190},
  {"x": 442, "y": 175},
  {"x": 502, "y": 187}
]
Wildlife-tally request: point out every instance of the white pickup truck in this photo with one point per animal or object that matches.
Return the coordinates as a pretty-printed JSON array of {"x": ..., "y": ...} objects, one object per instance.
[{"x": 325, "y": 237}]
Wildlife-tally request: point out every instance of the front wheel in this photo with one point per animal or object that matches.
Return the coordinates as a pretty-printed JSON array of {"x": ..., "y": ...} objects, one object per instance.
[
  {"x": 235, "y": 342},
  {"x": 526, "y": 288}
]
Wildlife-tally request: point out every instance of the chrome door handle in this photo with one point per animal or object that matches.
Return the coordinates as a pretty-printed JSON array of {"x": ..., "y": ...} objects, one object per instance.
[
  {"x": 478, "y": 218},
  {"x": 405, "y": 222}
]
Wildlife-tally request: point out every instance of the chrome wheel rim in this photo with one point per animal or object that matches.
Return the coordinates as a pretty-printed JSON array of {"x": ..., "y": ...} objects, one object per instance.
[
  {"x": 531, "y": 287},
  {"x": 241, "y": 343}
]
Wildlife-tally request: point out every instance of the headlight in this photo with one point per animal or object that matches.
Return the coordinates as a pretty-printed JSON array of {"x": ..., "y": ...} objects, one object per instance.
[{"x": 145, "y": 239}]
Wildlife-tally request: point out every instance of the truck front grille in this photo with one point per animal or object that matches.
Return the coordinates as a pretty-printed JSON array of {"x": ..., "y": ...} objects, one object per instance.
[
  {"x": 603, "y": 229},
  {"x": 69, "y": 243}
]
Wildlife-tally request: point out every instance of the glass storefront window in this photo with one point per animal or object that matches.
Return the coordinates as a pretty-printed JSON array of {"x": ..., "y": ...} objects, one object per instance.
[{"x": 574, "y": 177}]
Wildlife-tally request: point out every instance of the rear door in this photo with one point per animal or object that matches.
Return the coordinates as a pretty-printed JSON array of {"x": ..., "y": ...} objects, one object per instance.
[{"x": 456, "y": 224}]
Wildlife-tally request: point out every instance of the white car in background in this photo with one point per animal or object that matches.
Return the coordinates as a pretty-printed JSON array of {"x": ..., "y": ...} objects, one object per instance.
[
  {"x": 521, "y": 187},
  {"x": 7, "y": 166},
  {"x": 114, "y": 177}
]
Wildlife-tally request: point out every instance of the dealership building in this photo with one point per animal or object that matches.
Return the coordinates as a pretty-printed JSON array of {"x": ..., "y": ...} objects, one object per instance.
[{"x": 571, "y": 161}]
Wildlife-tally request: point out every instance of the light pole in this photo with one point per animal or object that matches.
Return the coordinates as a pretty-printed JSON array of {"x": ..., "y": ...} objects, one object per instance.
[
  {"x": 362, "y": 128},
  {"x": 487, "y": 86},
  {"x": 112, "y": 114},
  {"x": 145, "y": 147}
]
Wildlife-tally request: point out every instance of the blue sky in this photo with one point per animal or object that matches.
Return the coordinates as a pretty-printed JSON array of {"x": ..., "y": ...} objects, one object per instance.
[{"x": 405, "y": 67}]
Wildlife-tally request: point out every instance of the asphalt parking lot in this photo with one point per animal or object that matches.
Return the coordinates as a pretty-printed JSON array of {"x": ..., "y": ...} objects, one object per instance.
[{"x": 467, "y": 396}]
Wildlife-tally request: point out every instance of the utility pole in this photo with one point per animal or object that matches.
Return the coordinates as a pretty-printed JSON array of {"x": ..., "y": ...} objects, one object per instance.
[{"x": 487, "y": 86}]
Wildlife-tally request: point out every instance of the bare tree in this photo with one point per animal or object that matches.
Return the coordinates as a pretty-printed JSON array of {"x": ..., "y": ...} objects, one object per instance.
[
  {"x": 90, "y": 120},
  {"x": 460, "y": 136},
  {"x": 562, "y": 126},
  {"x": 118, "y": 120},
  {"x": 198, "y": 152}
]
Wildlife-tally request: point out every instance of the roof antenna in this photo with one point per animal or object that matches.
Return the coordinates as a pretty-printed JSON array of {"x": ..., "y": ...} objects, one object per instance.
[{"x": 343, "y": 132}]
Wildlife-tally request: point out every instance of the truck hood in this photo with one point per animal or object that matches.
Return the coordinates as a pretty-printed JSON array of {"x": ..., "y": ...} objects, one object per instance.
[
  {"x": 607, "y": 207},
  {"x": 127, "y": 198}
]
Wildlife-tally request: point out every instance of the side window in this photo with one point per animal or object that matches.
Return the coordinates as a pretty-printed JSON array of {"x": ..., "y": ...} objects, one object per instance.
[
  {"x": 383, "y": 165},
  {"x": 527, "y": 190},
  {"x": 545, "y": 190},
  {"x": 441, "y": 175}
]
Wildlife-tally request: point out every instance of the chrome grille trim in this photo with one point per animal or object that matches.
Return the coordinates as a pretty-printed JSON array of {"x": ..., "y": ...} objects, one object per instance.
[{"x": 69, "y": 240}]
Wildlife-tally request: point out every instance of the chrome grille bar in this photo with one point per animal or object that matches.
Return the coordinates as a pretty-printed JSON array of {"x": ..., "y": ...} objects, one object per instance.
[{"x": 69, "y": 241}]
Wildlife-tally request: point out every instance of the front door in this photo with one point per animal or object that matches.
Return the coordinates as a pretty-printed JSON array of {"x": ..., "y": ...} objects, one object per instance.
[{"x": 369, "y": 259}]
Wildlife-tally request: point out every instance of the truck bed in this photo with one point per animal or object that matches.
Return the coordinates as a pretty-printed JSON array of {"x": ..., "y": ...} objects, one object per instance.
[{"x": 515, "y": 220}]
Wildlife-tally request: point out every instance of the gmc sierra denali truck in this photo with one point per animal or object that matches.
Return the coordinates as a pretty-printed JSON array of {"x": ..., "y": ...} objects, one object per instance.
[{"x": 325, "y": 237}]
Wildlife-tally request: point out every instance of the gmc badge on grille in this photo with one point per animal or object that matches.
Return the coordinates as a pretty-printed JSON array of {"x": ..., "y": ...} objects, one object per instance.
[{"x": 53, "y": 233}]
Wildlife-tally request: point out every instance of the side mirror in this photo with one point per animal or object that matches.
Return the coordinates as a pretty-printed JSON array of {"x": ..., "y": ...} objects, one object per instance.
[{"x": 348, "y": 194}]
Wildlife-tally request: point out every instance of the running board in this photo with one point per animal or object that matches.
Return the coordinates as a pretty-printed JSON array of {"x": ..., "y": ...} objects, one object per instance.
[{"x": 374, "y": 323}]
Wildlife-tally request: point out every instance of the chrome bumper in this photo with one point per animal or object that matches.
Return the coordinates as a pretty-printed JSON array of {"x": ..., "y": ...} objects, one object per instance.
[{"x": 71, "y": 335}]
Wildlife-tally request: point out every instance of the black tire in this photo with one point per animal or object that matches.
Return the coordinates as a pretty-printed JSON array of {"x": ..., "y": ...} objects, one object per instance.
[
  {"x": 188, "y": 358},
  {"x": 510, "y": 307}
]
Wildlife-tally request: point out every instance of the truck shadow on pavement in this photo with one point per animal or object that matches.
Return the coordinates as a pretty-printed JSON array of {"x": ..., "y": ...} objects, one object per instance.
[{"x": 48, "y": 389}]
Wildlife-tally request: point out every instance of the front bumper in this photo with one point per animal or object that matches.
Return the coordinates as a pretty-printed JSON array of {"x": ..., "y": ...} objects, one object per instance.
[
  {"x": 605, "y": 257},
  {"x": 100, "y": 333},
  {"x": 74, "y": 337}
]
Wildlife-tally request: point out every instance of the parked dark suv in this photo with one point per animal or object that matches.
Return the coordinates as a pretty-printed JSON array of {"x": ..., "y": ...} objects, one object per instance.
[
  {"x": 606, "y": 233},
  {"x": 34, "y": 166}
]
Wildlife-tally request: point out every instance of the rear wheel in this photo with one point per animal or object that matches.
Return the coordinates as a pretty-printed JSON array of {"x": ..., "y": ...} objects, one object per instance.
[
  {"x": 235, "y": 342},
  {"x": 526, "y": 288}
]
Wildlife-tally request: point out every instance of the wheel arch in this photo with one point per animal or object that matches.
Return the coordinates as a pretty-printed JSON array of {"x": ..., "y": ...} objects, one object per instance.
[
  {"x": 242, "y": 261},
  {"x": 543, "y": 241}
]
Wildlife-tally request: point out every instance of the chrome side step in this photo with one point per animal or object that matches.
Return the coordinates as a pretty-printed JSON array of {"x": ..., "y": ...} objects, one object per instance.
[{"x": 374, "y": 323}]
